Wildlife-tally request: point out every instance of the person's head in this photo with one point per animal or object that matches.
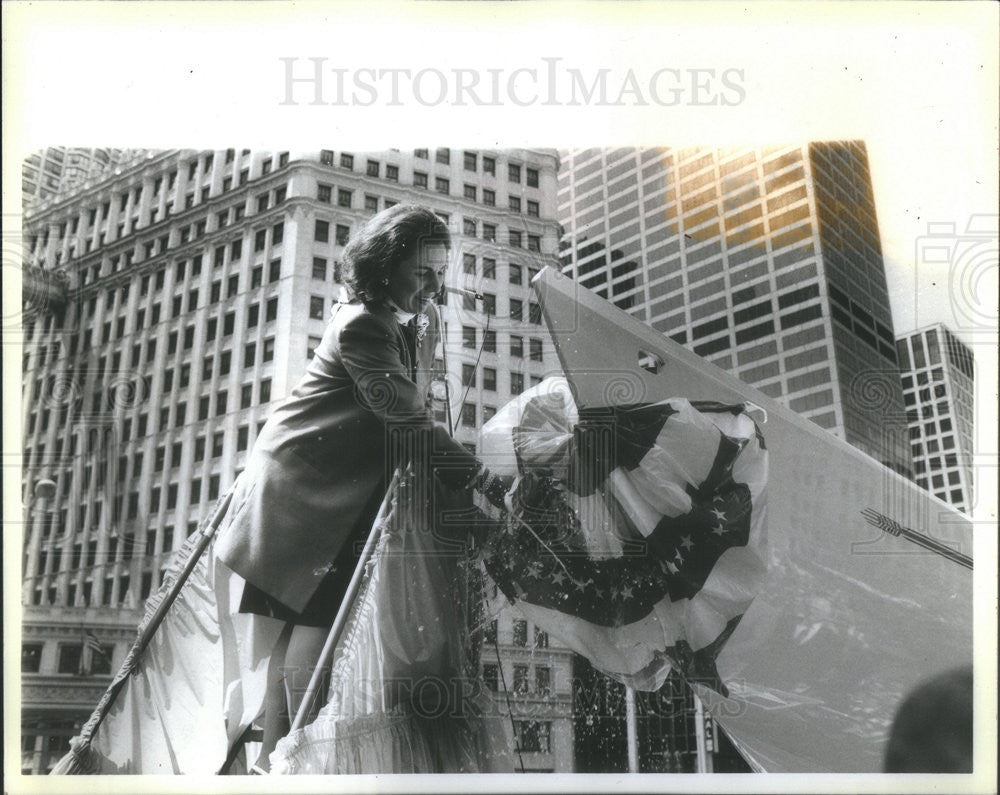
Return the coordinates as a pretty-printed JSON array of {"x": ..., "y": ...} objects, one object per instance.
[
  {"x": 401, "y": 253},
  {"x": 932, "y": 730}
]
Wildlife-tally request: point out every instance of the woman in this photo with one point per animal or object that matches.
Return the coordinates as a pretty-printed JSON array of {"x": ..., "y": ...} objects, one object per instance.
[{"x": 319, "y": 469}]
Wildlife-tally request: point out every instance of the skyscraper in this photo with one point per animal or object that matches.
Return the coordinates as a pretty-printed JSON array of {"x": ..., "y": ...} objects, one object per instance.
[
  {"x": 194, "y": 287},
  {"x": 58, "y": 170},
  {"x": 766, "y": 261},
  {"x": 938, "y": 387}
]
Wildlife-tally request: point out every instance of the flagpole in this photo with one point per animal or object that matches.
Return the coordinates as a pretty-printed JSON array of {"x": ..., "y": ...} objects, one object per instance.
[
  {"x": 631, "y": 731},
  {"x": 79, "y": 759},
  {"x": 340, "y": 622},
  {"x": 704, "y": 758}
]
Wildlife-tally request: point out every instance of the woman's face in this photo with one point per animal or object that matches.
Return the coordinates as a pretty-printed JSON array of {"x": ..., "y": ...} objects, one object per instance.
[{"x": 418, "y": 276}]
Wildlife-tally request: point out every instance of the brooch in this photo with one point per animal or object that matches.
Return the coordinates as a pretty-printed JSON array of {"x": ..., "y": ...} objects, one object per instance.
[{"x": 422, "y": 323}]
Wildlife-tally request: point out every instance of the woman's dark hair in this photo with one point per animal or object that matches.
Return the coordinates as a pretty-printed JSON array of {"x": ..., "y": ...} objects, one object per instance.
[{"x": 385, "y": 240}]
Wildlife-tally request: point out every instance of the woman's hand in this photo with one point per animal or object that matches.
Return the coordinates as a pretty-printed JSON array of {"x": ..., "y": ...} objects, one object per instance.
[{"x": 493, "y": 487}]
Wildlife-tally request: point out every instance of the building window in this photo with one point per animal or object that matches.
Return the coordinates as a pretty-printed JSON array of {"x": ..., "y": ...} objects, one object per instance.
[
  {"x": 371, "y": 203},
  {"x": 468, "y": 375},
  {"x": 265, "y": 390},
  {"x": 491, "y": 676},
  {"x": 543, "y": 680},
  {"x": 490, "y": 233},
  {"x": 514, "y": 203},
  {"x": 343, "y": 234},
  {"x": 325, "y": 193},
  {"x": 541, "y": 639},
  {"x": 260, "y": 240},
  {"x": 442, "y": 185},
  {"x": 347, "y": 161},
  {"x": 316, "y": 307},
  {"x": 421, "y": 153},
  {"x": 469, "y": 415},
  {"x": 489, "y": 268},
  {"x": 490, "y": 341},
  {"x": 469, "y": 191},
  {"x": 470, "y": 161},
  {"x": 469, "y": 227},
  {"x": 520, "y": 632},
  {"x": 535, "y": 349},
  {"x": 322, "y": 233},
  {"x": 520, "y": 679},
  {"x": 372, "y": 168},
  {"x": 468, "y": 337},
  {"x": 532, "y": 175},
  {"x": 516, "y": 383},
  {"x": 344, "y": 197},
  {"x": 516, "y": 273},
  {"x": 534, "y": 243},
  {"x": 490, "y": 379},
  {"x": 514, "y": 238},
  {"x": 516, "y": 309},
  {"x": 516, "y": 346},
  {"x": 319, "y": 268},
  {"x": 533, "y": 736},
  {"x": 392, "y": 173},
  {"x": 69, "y": 657},
  {"x": 514, "y": 173},
  {"x": 469, "y": 264},
  {"x": 532, "y": 208},
  {"x": 31, "y": 657},
  {"x": 419, "y": 179},
  {"x": 534, "y": 313},
  {"x": 489, "y": 165}
]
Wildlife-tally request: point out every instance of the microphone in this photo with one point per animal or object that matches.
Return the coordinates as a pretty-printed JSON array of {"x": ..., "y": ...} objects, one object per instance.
[{"x": 465, "y": 293}]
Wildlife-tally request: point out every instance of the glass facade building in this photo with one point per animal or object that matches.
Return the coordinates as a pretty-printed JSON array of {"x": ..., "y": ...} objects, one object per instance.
[
  {"x": 765, "y": 261},
  {"x": 938, "y": 388}
]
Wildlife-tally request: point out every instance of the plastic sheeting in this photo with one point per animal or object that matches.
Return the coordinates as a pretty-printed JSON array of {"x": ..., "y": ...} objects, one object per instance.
[
  {"x": 405, "y": 694},
  {"x": 851, "y": 615}
]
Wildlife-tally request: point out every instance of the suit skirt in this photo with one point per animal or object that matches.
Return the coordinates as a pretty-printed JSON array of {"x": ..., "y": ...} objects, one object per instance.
[{"x": 322, "y": 607}]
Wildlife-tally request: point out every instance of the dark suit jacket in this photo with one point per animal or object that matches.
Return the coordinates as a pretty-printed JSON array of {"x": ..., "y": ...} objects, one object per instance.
[{"x": 323, "y": 453}]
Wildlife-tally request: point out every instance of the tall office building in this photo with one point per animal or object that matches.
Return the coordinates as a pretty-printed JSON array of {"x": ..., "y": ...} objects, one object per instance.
[
  {"x": 183, "y": 295},
  {"x": 58, "y": 170},
  {"x": 766, "y": 261},
  {"x": 938, "y": 387}
]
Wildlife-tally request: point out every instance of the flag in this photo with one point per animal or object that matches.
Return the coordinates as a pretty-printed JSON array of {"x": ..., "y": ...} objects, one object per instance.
[
  {"x": 91, "y": 642},
  {"x": 868, "y": 588},
  {"x": 180, "y": 706},
  {"x": 638, "y": 531},
  {"x": 91, "y": 646}
]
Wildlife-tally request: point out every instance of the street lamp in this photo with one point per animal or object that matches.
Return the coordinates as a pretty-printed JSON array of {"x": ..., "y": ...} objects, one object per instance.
[{"x": 45, "y": 490}]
